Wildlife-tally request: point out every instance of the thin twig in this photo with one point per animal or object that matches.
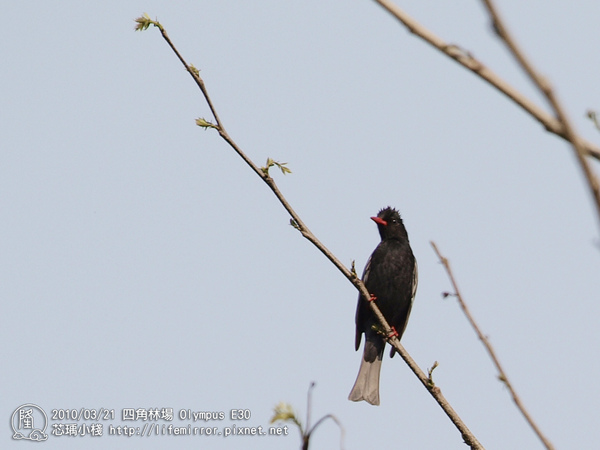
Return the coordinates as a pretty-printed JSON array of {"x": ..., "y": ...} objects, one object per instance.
[
  {"x": 338, "y": 423},
  {"x": 309, "y": 430},
  {"x": 309, "y": 405},
  {"x": 546, "y": 89},
  {"x": 467, "y": 60},
  {"x": 468, "y": 437},
  {"x": 486, "y": 343}
]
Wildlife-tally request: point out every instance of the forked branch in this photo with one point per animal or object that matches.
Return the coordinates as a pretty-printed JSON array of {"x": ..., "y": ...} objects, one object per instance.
[
  {"x": 490, "y": 350},
  {"x": 470, "y": 62},
  {"x": 545, "y": 88}
]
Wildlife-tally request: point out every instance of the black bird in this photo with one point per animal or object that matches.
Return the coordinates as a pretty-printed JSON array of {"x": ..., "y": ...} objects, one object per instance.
[{"x": 391, "y": 278}]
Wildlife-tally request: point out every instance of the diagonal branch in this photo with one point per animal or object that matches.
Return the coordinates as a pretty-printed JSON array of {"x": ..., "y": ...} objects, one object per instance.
[
  {"x": 546, "y": 89},
  {"x": 486, "y": 343},
  {"x": 467, "y": 60},
  {"x": 143, "y": 23}
]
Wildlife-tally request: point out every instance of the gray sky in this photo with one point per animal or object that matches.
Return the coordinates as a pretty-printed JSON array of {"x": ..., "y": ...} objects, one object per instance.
[{"x": 145, "y": 266}]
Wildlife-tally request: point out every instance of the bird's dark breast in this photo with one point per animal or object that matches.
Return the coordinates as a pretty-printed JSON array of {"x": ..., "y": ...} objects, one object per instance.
[{"x": 390, "y": 279}]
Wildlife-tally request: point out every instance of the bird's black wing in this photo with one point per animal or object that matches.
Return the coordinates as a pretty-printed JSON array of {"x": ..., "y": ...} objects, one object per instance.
[
  {"x": 401, "y": 327},
  {"x": 362, "y": 308}
]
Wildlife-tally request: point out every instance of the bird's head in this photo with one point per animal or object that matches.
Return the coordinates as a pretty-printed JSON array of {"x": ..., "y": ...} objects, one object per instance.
[{"x": 390, "y": 224}]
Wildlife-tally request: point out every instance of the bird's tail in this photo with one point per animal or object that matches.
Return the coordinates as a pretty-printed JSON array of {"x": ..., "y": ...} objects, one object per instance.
[{"x": 366, "y": 386}]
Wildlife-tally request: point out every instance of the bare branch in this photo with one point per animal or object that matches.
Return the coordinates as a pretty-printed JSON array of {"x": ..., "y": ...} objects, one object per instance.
[
  {"x": 486, "y": 343},
  {"x": 546, "y": 89},
  {"x": 467, "y": 60},
  {"x": 297, "y": 222}
]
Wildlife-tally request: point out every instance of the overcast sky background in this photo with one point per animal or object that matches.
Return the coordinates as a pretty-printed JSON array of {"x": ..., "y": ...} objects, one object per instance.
[{"x": 144, "y": 265}]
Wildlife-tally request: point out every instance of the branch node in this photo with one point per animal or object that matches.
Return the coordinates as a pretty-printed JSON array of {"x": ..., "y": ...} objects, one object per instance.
[
  {"x": 271, "y": 162},
  {"x": 295, "y": 224},
  {"x": 430, "y": 382},
  {"x": 194, "y": 70},
  {"x": 353, "y": 269}
]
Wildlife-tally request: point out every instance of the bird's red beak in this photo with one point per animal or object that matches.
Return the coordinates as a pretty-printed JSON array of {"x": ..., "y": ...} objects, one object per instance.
[{"x": 379, "y": 221}]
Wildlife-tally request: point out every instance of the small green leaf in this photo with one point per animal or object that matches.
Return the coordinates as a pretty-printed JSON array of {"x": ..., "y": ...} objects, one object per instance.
[
  {"x": 266, "y": 168},
  {"x": 194, "y": 70},
  {"x": 143, "y": 22},
  {"x": 284, "y": 412},
  {"x": 271, "y": 162},
  {"x": 282, "y": 166},
  {"x": 201, "y": 122},
  {"x": 285, "y": 170}
]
